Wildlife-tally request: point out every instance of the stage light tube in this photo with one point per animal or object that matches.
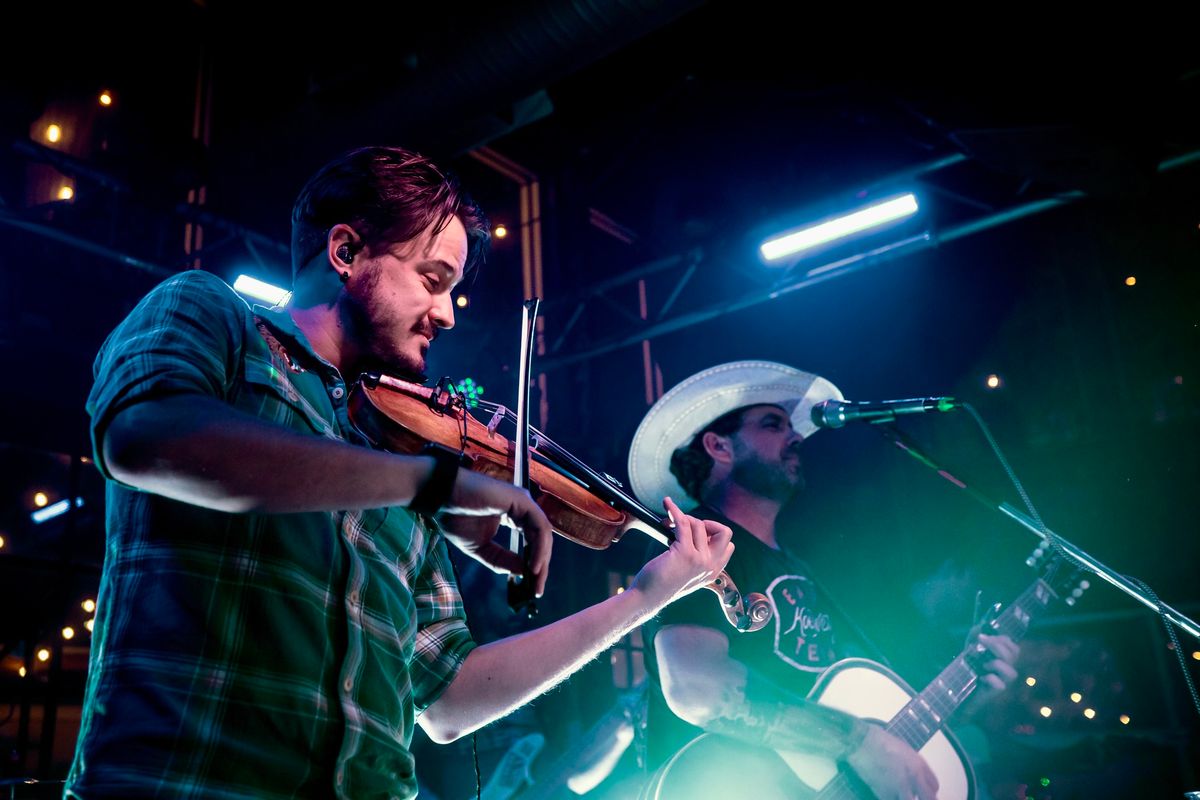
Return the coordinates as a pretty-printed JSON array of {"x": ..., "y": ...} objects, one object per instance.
[{"x": 789, "y": 244}]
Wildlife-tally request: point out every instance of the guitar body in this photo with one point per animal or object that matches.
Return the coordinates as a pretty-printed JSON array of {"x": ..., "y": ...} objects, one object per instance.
[
  {"x": 719, "y": 767},
  {"x": 869, "y": 690},
  {"x": 712, "y": 766}
]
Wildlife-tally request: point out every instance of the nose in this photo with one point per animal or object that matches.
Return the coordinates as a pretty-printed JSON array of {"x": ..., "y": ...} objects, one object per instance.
[{"x": 441, "y": 314}]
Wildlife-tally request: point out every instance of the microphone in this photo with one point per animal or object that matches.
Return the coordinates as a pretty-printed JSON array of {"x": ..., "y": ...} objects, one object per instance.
[{"x": 836, "y": 413}]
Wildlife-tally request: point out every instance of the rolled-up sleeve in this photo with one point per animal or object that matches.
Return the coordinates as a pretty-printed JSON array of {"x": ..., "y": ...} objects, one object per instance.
[
  {"x": 443, "y": 640},
  {"x": 181, "y": 338}
]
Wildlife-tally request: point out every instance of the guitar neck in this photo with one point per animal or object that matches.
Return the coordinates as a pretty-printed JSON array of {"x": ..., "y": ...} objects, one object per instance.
[{"x": 927, "y": 712}]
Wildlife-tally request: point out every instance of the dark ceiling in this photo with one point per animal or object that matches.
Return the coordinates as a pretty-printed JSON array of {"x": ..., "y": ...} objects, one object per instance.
[{"x": 690, "y": 124}]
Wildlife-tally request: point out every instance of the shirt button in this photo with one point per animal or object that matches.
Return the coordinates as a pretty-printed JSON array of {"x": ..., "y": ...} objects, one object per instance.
[
  {"x": 348, "y": 684},
  {"x": 338, "y": 392},
  {"x": 354, "y": 596},
  {"x": 341, "y": 777}
]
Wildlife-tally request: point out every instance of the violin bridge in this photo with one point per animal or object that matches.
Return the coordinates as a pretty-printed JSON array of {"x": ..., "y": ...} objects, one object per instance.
[{"x": 497, "y": 416}]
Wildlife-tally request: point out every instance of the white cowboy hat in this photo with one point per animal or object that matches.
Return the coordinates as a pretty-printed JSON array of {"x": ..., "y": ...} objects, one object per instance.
[{"x": 689, "y": 407}]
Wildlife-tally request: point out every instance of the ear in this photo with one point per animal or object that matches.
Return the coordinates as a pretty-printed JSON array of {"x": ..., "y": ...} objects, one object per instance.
[
  {"x": 718, "y": 447},
  {"x": 343, "y": 243}
]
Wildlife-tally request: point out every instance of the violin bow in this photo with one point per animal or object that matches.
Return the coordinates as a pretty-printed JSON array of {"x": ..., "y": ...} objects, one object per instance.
[{"x": 521, "y": 588}]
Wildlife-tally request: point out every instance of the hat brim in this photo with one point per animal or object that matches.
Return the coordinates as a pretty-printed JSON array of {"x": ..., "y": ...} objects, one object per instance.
[{"x": 690, "y": 406}]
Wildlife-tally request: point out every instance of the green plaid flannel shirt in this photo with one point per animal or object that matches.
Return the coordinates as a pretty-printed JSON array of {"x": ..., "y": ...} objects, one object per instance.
[{"x": 254, "y": 655}]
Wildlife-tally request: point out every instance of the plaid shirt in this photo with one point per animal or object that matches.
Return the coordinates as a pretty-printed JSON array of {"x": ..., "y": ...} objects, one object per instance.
[{"x": 253, "y": 655}]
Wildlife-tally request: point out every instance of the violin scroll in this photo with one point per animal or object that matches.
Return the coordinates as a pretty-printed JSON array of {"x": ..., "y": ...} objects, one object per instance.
[{"x": 734, "y": 606}]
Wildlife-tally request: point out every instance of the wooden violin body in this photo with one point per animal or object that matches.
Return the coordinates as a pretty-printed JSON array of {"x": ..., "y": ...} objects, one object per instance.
[{"x": 403, "y": 426}]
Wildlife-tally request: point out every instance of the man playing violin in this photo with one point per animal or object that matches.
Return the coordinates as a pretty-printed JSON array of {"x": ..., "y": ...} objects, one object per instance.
[
  {"x": 277, "y": 608},
  {"x": 729, "y": 437}
]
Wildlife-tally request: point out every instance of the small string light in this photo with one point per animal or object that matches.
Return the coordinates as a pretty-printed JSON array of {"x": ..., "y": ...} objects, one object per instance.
[{"x": 43, "y": 655}]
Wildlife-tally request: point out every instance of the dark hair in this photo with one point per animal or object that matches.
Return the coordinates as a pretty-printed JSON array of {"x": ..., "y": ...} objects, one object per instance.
[
  {"x": 691, "y": 465},
  {"x": 389, "y": 196}
]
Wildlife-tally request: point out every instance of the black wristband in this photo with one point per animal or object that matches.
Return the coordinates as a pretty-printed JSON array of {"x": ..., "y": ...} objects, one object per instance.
[{"x": 435, "y": 491}]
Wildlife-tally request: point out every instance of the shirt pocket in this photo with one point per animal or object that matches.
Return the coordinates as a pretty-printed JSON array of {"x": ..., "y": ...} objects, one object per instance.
[{"x": 275, "y": 397}]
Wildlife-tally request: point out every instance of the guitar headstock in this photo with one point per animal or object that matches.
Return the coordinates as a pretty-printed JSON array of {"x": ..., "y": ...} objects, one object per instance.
[{"x": 1063, "y": 576}]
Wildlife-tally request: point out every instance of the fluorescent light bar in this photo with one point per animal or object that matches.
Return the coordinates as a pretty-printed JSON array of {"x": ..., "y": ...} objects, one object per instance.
[
  {"x": 253, "y": 287},
  {"x": 791, "y": 243},
  {"x": 52, "y": 511}
]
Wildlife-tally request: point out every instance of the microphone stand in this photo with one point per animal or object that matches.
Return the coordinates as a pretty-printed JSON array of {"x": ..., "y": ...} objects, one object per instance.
[{"x": 1051, "y": 538}]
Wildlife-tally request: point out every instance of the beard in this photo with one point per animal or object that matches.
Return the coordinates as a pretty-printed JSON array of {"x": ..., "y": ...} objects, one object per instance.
[
  {"x": 772, "y": 481},
  {"x": 364, "y": 319}
]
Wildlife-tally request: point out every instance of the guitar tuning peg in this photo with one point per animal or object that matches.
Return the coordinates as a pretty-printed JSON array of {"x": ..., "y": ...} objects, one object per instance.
[
  {"x": 1084, "y": 584},
  {"x": 1069, "y": 601}
]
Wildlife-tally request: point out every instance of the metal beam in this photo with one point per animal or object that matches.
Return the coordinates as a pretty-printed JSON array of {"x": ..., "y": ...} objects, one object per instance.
[
  {"x": 85, "y": 245},
  {"x": 834, "y": 269}
]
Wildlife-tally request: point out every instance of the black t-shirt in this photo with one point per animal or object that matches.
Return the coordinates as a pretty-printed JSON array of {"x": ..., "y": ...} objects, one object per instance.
[{"x": 788, "y": 654}]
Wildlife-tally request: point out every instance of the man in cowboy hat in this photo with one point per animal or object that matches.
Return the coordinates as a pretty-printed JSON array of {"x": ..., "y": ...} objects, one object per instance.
[{"x": 729, "y": 439}]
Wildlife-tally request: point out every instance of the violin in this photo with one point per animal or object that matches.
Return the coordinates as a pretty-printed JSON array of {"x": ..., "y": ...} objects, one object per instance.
[{"x": 583, "y": 505}]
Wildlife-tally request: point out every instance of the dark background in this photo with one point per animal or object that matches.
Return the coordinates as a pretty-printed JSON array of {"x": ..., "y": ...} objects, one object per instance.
[{"x": 697, "y": 128}]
